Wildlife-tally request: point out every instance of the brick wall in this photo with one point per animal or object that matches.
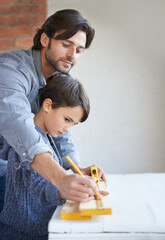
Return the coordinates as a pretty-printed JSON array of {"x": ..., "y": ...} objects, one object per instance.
[{"x": 19, "y": 20}]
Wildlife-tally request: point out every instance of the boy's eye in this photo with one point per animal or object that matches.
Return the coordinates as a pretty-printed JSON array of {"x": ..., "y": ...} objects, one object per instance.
[
  {"x": 67, "y": 120},
  {"x": 65, "y": 45}
]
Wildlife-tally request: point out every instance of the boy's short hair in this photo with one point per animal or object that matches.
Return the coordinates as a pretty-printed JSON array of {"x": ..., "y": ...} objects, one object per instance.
[
  {"x": 64, "y": 91},
  {"x": 68, "y": 20}
]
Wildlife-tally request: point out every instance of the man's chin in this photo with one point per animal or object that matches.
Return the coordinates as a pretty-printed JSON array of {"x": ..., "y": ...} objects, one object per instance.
[{"x": 64, "y": 69}]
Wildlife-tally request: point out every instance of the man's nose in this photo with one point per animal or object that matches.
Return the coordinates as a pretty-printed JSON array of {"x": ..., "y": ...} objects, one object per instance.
[{"x": 71, "y": 53}]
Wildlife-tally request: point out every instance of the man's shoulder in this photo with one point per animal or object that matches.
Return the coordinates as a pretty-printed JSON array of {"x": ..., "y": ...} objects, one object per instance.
[
  {"x": 21, "y": 64},
  {"x": 16, "y": 57}
]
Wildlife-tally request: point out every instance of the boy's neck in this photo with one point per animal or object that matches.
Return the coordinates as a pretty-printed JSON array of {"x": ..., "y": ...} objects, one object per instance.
[{"x": 38, "y": 120}]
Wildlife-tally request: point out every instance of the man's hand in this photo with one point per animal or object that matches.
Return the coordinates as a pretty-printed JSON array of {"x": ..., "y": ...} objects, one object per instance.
[
  {"x": 72, "y": 187},
  {"x": 101, "y": 176},
  {"x": 77, "y": 188}
]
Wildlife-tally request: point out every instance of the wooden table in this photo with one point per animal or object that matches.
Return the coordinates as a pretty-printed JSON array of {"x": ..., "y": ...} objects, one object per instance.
[{"x": 138, "y": 212}]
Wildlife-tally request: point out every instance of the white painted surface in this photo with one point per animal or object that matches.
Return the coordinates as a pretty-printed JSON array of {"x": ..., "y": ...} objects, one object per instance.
[
  {"x": 108, "y": 236},
  {"x": 137, "y": 202}
]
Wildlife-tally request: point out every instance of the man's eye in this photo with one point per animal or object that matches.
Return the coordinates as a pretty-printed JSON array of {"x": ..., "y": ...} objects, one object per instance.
[{"x": 79, "y": 51}]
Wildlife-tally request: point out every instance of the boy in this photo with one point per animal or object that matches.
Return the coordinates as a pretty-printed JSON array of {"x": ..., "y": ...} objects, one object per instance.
[{"x": 30, "y": 200}]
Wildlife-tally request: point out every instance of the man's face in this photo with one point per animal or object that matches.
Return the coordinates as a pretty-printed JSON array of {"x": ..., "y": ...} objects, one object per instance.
[{"x": 62, "y": 55}]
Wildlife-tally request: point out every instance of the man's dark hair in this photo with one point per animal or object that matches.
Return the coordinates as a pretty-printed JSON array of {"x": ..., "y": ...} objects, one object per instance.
[
  {"x": 68, "y": 20},
  {"x": 64, "y": 91}
]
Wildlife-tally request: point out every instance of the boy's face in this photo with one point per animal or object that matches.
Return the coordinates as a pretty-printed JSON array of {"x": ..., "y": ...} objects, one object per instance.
[
  {"x": 62, "y": 55},
  {"x": 59, "y": 121}
]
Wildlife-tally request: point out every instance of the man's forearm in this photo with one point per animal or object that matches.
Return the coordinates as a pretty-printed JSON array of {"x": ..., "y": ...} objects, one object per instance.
[
  {"x": 72, "y": 187},
  {"x": 48, "y": 168}
]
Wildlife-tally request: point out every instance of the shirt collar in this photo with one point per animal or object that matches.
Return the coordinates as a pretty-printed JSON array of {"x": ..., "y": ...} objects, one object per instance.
[{"x": 37, "y": 62}]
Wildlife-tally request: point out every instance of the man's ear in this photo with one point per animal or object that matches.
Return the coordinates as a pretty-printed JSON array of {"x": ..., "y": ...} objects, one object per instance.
[
  {"x": 44, "y": 40},
  {"x": 47, "y": 104}
]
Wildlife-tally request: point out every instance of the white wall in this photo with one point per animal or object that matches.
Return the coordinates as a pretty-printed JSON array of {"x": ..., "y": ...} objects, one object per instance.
[{"x": 123, "y": 73}]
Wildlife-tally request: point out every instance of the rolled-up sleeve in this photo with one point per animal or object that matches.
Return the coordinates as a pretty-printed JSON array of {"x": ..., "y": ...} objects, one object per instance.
[{"x": 16, "y": 119}]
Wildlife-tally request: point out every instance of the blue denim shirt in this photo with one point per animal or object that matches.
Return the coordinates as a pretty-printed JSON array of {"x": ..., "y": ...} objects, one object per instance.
[
  {"x": 31, "y": 200},
  {"x": 21, "y": 77}
]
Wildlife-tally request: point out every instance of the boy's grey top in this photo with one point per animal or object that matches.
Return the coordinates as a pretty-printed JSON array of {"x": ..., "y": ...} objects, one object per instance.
[
  {"x": 21, "y": 77},
  {"x": 30, "y": 200}
]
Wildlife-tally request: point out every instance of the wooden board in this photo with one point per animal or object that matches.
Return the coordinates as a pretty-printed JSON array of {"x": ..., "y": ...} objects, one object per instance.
[
  {"x": 70, "y": 210},
  {"x": 83, "y": 211},
  {"x": 90, "y": 208}
]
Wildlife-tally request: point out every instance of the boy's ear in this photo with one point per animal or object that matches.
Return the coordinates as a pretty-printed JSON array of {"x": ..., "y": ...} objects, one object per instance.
[
  {"x": 47, "y": 104},
  {"x": 44, "y": 40}
]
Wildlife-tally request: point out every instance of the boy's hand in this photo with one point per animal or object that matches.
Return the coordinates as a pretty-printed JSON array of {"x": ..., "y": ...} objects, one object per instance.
[{"x": 87, "y": 171}]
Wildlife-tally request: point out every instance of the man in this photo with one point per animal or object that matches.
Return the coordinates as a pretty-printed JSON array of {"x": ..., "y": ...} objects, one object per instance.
[{"x": 57, "y": 47}]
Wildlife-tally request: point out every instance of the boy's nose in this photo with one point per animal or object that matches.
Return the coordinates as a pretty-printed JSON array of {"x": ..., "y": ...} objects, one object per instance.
[{"x": 66, "y": 129}]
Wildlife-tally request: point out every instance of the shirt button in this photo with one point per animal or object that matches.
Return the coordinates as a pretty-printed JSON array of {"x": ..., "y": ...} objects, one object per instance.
[{"x": 24, "y": 154}]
